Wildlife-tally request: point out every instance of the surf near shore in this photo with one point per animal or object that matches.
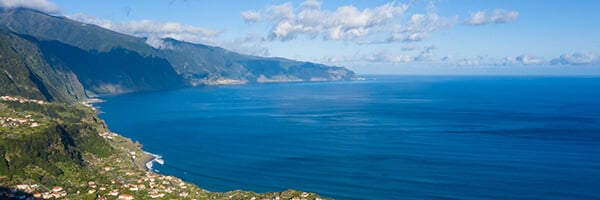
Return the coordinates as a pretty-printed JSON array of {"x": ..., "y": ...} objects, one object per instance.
[{"x": 152, "y": 158}]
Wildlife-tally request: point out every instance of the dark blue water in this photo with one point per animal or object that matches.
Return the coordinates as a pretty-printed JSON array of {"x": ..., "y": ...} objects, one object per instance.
[{"x": 395, "y": 137}]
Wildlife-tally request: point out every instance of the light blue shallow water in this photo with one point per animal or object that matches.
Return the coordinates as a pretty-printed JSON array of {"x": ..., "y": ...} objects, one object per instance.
[{"x": 391, "y": 137}]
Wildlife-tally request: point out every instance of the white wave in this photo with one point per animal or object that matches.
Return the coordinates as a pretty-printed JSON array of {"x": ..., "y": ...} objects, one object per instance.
[{"x": 156, "y": 159}]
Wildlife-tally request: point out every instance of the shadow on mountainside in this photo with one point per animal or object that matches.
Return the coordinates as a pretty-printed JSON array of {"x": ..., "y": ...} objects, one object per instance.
[{"x": 7, "y": 193}]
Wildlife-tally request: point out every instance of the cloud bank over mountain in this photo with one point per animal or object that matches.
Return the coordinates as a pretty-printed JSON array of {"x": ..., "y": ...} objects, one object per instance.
[{"x": 41, "y": 5}]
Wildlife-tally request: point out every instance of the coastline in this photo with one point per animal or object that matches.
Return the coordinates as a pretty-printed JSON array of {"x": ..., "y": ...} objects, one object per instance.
[
  {"x": 144, "y": 160},
  {"x": 150, "y": 160},
  {"x": 90, "y": 103},
  {"x": 147, "y": 161}
]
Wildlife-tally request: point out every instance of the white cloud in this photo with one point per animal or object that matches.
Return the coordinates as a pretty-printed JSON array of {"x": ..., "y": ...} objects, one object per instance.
[
  {"x": 344, "y": 23},
  {"x": 416, "y": 36},
  {"x": 579, "y": 58},
  {"x": 250, "y": 16},
  {"x": 251, "y": 44},
  {"x": 427, "y": 53},
  {"x": 478, "y": 18},
  {"x": 503, "y": 16},
  {"x": 155, "y": 32},
  {"x": 387, "y": 57},
  {"x": 419, "y": 26},
  {"x": 282, "y": 12},
  {"x": 158, "y": 43},
  {"x": 467, "y": 61},
  {"x": 477, "y": 61},
  {"x": 525, "y": 59},
  {"x": 381, "y": 24},
  {"x": 384, "y": 56},
  {"x": 408, "y": 48},
  {"x": 152, "y": 29},
  {"x": 381, "y": 56},
  {"x": 41, "y": 5},
  {"x": 497, "y": 16},
  {"x": 311, "y": 4}
]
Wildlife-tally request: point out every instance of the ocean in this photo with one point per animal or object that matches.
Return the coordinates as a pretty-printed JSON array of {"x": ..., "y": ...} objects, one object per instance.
[{"x": 388, "y": 137}]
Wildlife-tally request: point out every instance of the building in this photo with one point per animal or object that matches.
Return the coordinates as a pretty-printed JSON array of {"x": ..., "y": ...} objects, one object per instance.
[{"x": 125, "y": 197}]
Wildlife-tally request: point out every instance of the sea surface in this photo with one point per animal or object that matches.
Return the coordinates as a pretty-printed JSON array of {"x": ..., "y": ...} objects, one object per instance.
[{"x": 389, "y": 137}]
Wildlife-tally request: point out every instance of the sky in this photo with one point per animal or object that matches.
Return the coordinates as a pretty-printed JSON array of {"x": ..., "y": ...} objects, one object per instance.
[{"x": 508, "y": 37}]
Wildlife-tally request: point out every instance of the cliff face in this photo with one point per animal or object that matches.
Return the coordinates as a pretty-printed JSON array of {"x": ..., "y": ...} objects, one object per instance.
[
  {"x": 24, "y": 71},
  {"x": 54, "y": 71},
  {"x": 113, "y": 72}
]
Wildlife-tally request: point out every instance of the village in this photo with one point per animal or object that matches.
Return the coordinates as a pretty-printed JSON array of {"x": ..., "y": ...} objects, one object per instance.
[
  {"x": 21, "y": 100},
  {"x": 25, "y": 120},
  {"x": 154, "y": 185},
  {"x": 148, "y": 186},
  {"x": 12, "y": 122}
]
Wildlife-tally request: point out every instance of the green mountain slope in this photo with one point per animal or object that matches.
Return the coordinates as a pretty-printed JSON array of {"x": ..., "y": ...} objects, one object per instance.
[
  {"x": 84, "y": 36},
  {"x": 40, "y": 140},
  {"x": 113, "y": 72},
  {"x": 25, "y": 72},
  {"x": 201, "y": 64},
  {"x": 51, "y": 70},
  {"x": 103, "y": 62},
  {"x": 197, "y": 64}
]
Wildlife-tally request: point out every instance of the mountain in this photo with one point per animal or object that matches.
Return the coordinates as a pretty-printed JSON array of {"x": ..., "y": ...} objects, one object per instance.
[
  {"x": 106, "y": 62},
  {"x": 113, "y": 72},
  {"x": 101, "y": 61},
  {"x": 54, "y": 71},
  {"x": 202, "y": 64},
  {"x": 84, "y": 36}
]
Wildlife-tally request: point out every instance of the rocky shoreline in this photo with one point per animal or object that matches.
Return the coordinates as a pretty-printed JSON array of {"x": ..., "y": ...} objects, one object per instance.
[{"x": 151, "y": 159}]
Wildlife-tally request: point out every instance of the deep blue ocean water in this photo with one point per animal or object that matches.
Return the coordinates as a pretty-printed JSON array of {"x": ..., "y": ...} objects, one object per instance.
[{"x": 390, "y": 137}]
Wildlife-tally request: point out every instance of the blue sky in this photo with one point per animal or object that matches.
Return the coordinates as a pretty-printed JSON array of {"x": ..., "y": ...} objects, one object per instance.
[{"x": 369, "y": 36}]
